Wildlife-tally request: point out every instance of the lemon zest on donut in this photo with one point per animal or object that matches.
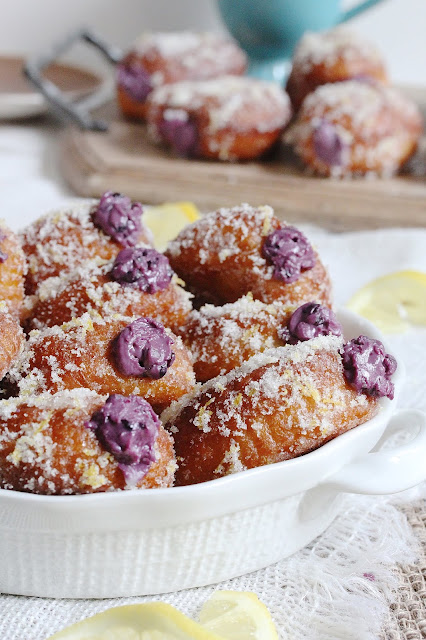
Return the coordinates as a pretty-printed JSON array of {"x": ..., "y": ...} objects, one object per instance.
[
  {"x": 203, "y": 416},
  {"x": 237, "y": 401},
  {"x": 91, "y": 474},
  {"x": 90, "y": 452},
  {"x": 266, "y": 227},
  {"x": 178, "y": 280}
]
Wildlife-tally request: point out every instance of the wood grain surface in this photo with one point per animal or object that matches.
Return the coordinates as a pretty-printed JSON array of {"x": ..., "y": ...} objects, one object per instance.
[{"x": 123, "y": 159}]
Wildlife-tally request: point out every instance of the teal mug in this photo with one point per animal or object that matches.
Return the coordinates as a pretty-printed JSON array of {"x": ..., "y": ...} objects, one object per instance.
[{"x": 268, "y": 30}]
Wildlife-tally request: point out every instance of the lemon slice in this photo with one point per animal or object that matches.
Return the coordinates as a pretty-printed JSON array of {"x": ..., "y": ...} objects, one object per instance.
[
  {"x": 394, "y": 303},
  {"x": 238, "y": 615},
  {"x": 167, "y": 220},
  {"x": 148, "y": 621}
]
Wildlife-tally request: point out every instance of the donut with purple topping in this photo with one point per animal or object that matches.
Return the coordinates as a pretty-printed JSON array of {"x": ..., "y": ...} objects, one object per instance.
[
  {"x": 229, "y": 118},
  {"x": 278, "y": 405},
  {"x": 332, "y": 56},
  {"x": 138, "y": 282},
  {"x": 163, "y": 58},
  {"x": 76, "y": 442},
  {"x": 91, "y": 230},
  {"x": 112, "y": 355},
  {"x": 222, "y": 338},
  {"x": 352, "y": 128},
  {"x": 231, "y": 252}
]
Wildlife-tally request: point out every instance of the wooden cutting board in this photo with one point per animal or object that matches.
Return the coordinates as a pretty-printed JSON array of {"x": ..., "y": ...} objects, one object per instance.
[{"x": 123, "y": 159}]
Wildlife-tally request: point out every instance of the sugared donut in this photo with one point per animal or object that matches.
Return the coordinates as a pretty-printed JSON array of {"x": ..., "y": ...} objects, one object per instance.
[
  {"x": 12, "y": 271},
  {"x": 113, "y": 355},
  {"x": 79, "y": 442},
  {"x": 353, "y": 128},
  {"x": 332, "y": 56},
  {"x": 231, "y": 252},
  {"x": 139, "y": 282},
  {"x": 162, "y": 58},
  {"x": 96, "y": 229},
  {"x": 11, "y": 341},
  {"x": 280, "y": 404},
  {"x": 223, "y": 338},
  {"x": 229, "y": 118}
]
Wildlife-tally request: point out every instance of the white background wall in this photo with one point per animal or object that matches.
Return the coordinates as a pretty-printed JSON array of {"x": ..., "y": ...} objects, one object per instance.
[{"x": 397, "y": 26}]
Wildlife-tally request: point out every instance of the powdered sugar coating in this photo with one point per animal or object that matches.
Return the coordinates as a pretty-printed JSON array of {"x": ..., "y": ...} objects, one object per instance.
[
  {"x": 332, "y": 56},
  {"x": 222, "y": 338},
  {"x": 278, "y": 405},
  {"x": 46, "y": 447},
  {"x": 220, "y": 259},
  {"x": 379, "y": 128},
  {"x": 64, "y": 239},
  {"x": 326, "y": 48},
  {"x": 89, "y": 287},
  {"x": 194, "y": 51}
]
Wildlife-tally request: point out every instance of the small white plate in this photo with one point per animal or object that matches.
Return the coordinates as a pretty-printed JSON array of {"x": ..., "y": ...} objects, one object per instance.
[{"x": 19, "y": 99}]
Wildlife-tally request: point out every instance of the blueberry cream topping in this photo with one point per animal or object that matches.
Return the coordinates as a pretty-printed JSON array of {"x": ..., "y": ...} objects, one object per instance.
[
  {"x": 142, "y": 268},
  {"x": 134, "y": 80},
  {"x": 328, "y": 145},
  {"x": 143, "y": 349},
  {"x": 127, "y": 427},
  {"x": 368, "y": 368},
  {"x": 119, "y": 218},
  {"x": 290, "y": 252},
  {"x": 181, "y": 135},
  {"x": 310, "y": 321}
]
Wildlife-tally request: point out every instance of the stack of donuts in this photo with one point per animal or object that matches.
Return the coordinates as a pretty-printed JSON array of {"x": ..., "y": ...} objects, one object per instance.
[
  {"x": 126, "y": 368},
  {"x": 347, "y": 121}
]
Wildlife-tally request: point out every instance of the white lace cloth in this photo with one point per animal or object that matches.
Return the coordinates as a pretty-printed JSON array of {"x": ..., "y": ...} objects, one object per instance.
[{"x": 339, "y": 587}]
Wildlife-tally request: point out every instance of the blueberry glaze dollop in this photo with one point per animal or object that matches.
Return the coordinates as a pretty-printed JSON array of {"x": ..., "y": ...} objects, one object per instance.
[
  {"x": 181, "y": 135},
  {"x": 368, "y": 368},
  {"x": 142, "y": 268},
  {"x": 310, "y": 321},
  {"x": 119, "y": 218},
  {"x": 134, "y": 80},
  {"x": 127, "y": 427},
  {"x": 290, "y": 252},
  {"x": 328, "y": 144},
  {"x": 143, "y": 349}
]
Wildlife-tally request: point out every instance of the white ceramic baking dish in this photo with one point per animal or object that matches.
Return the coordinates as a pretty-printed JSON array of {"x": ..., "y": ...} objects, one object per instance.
[{"x": 160, "y": 540}]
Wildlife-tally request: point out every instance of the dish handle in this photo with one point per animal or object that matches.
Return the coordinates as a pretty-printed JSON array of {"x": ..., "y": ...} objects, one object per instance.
[{"x": 391, "y": 470}]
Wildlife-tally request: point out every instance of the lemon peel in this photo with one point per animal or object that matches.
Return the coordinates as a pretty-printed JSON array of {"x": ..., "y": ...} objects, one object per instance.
[
  {"x": 165, "y": 221},
  {"x": 238, "y": 615},
  {"x": 227, "y": 615},
  {"x": 394, "y": 302}
]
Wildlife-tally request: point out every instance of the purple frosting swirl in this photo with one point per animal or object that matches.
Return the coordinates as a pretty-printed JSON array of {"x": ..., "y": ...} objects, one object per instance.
[
  {"x": 127, "y": 427},
  {"x": 309, "y": 321},
  {"x": 368, "y": 368},
  {"x": 143, "y": 349},
  {"x": 181, "y": 135},
  {"x": 290, "y": 252},
  {"x": 134, "y": 80},
  {"x": 328, "y": 145},
  {"x": 119, "y": 218},
  {"x": 142, "y": 268}
]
